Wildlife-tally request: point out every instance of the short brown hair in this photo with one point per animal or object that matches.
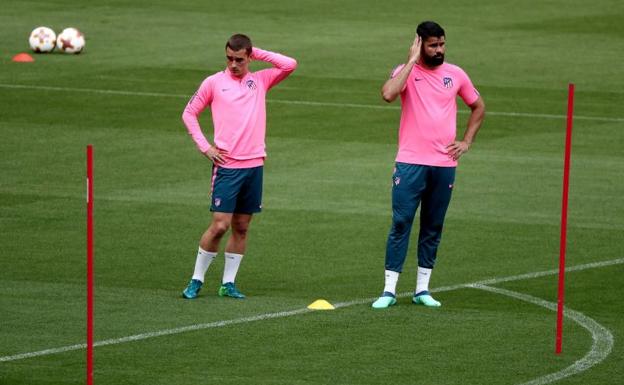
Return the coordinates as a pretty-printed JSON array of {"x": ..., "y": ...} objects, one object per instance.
[{"x": 239, "y": 41}]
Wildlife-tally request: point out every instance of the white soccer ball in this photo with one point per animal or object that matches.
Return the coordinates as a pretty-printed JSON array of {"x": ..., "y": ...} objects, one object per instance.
[
  {"x": 42, "y": 39},
  {"x": 70, "y": 40}
]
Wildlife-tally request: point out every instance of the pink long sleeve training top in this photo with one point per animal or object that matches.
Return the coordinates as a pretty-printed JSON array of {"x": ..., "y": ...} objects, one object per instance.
[{"x": 238, "y": 107}]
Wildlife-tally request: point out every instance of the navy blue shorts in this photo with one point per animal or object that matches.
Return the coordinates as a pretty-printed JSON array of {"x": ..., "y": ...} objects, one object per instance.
[{"x": 237, "y": 190}]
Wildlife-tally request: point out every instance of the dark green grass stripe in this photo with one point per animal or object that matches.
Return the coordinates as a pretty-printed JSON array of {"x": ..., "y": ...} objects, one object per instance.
[{"x": 309, "y": 103}]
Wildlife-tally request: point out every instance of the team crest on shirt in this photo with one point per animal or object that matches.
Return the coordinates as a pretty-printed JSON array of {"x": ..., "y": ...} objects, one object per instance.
[
  {"x": 448, "y": 82},
  {"x": 251, "y": 84}
]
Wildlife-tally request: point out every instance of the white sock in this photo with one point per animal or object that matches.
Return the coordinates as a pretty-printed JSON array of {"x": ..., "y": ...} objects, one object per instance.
[
  {"x": 392, "y": 277},
  {"x": 232, "y": 262},
  {"x": 422, "y": 279},
  {"x": 204, "y": 259}
]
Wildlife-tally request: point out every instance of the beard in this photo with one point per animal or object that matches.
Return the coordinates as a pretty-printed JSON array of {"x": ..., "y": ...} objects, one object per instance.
[{"x": 433, "y": 61}]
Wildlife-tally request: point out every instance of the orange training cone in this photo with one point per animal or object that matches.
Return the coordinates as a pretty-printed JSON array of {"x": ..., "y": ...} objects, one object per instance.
[{"x": 23, "y": 58}]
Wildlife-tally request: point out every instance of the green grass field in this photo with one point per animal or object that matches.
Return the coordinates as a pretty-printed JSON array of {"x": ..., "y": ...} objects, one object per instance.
[{"x": 331, "y": 143}]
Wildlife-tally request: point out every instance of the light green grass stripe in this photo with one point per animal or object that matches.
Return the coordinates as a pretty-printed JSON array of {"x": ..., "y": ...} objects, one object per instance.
[
  {"x": 301, "y": 102},
  {"x": 266, "y": 316}
]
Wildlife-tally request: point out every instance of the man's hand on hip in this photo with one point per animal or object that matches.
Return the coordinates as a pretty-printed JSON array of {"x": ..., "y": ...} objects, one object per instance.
[
  {"x": 215, "y": 155},
  {"x": 456, "y": 149}
]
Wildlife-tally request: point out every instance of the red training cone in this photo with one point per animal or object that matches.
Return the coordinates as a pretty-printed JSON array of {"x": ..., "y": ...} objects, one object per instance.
[{"x": 23, "y": 58}]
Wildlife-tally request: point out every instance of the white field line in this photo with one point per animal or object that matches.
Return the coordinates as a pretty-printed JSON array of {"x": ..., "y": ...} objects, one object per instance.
[
  {"x": 602, "y": 338},
  {"x": 299, "y": 102},
  {"x": 143, "y": 336},
  {"x": 266, "y": 316},
  {"x": 493, "y": 281}
]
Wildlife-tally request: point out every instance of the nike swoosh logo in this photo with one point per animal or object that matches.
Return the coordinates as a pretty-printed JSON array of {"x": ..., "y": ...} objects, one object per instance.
[{"x": 417, "y": 80}]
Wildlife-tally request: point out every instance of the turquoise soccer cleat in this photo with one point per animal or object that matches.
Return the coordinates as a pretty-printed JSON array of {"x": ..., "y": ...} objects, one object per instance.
[
  {"x": 228, "y": 289},
  {"x": 192, "y": 289},
  {"x": 424, "y": 298},
  {"x": 386, "y": 300}
]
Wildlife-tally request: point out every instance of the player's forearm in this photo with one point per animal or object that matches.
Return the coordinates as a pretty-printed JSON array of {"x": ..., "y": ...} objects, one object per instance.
[
  {"x": 192, "y": 126},
  {"x": 282, "y": 62},
  {"x": 393, "y": 87},
  {"x": 474, "y": 121}
]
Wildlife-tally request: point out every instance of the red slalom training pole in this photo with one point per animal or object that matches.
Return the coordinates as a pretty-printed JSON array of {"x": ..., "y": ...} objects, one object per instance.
[
  {"x": 89, "y": 265},
  {"x": 564, "y": 217}
]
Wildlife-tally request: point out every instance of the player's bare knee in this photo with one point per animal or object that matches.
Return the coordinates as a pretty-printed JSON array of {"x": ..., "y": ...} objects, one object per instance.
[
  {"x": 239, "y": 228},
  {"x": 218, "y": 229},
  {"x": 240, "y": 231}
]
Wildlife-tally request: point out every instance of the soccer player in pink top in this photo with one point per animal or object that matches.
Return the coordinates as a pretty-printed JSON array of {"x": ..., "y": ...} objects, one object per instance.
[
  {"x": 237, "y": 100},
  {"x": 428, "y": 152}
]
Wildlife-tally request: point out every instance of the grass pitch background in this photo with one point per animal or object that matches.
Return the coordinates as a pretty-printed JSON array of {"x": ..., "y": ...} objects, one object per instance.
[{"x": 327, "y": 194}]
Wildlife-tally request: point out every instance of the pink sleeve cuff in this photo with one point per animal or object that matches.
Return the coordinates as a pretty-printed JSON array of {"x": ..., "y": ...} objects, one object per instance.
[{"x": 280, "y": 61}]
